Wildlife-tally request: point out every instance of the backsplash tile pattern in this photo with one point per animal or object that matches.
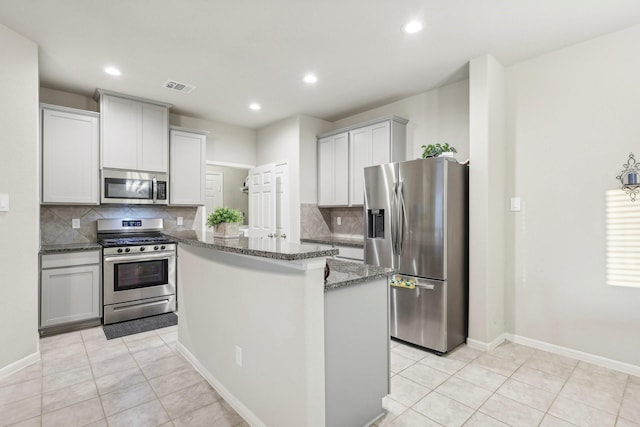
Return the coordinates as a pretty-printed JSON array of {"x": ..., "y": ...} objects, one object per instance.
[
  {"x": 322, "y": 222},
  {"x": 312, "y": 222},
  {"x": 55, "y": 221},
  {"x": 352, "y": 221}
]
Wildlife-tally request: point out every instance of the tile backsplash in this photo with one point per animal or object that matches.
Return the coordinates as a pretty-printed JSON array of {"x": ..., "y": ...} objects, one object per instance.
[
  {"x": 55, "y": 221},
  {"x": 320, "y": 222}
]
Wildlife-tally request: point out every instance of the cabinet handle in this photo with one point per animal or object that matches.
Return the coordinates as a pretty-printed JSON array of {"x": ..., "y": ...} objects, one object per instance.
[
  {"x": 284, "y": 236},
  {"x": 270, "y": 235}
]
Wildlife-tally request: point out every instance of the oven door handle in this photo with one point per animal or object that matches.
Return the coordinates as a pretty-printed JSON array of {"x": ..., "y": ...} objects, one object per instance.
[{"x": 145, "y": 257}]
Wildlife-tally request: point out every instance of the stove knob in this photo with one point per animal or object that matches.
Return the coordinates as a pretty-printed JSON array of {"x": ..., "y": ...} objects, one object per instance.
[
  {"x": 162, "y": 247},
  {"x": 127, "y": 250},
  {"x": 119, "y": 250},
  {"x": 155, "y": 248},
  {"x": 142, "y": 249}
]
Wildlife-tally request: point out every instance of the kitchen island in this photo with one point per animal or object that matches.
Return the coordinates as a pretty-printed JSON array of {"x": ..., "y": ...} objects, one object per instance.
[{"x": 281, "y": 346}]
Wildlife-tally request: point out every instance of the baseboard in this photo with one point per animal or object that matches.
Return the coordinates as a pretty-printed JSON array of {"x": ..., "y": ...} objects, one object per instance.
[
  {"x": 251, "y": 418},
  {"x": 22, "y": 363},
  {"x": 486, "y": 346},
  {"x": 616, "y": 365}
]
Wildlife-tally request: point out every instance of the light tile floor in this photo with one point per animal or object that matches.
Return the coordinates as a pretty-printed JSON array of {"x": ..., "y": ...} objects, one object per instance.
[
  {"x": 134, "y": 381},
  {"x": 512, "y": 385},
  {"x": 140, "y": 380}
]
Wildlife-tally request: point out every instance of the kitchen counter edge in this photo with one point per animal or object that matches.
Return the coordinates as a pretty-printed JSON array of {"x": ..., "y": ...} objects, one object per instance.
[
  {"x": 69, "y": 247},
  {"x": 338, "y": 241},
  {"x": 242, "y": 245},
  {"x": 345, "y": 273}
]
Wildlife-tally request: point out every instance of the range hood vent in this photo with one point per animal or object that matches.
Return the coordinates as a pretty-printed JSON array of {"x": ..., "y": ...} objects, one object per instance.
[{"x": 179, "y": 87}]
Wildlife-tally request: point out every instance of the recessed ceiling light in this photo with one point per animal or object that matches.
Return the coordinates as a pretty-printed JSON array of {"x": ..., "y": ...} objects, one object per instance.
[
  {"x": 412, "y": 27},
  {"x": 310, "y": 79},
  {"x": 112, "y": 71},
  {"x": 255, "y": 106}
]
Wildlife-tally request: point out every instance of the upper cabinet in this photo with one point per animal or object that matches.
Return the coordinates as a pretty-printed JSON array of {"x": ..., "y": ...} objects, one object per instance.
[
  {"x": 187, "y": 166},
  {"x": 134, "y": 133},
  {"x": 333, "y": 170},
  {"x": 372, "y": 143},
  {"x": 69, "y": 155}
]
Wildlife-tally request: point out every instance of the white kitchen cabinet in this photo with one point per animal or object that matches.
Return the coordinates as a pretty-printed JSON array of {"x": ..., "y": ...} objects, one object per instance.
[
  {"x": 187, "y": 166},
  {"x": 333, "y": 170},
  {"x": 134, "y": 133},
  {"x": 340, "y": 174},
  {"x": 70, "y": 289},
  {"x": 69, "y": 155},
  {"x": 370, "y": 145}
]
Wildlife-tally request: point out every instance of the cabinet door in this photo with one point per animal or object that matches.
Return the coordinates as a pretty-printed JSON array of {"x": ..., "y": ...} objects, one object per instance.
[
  {"x": 333, "y": 170},
  {"x": 370, "y": 146},
  {"x": 120, "y": 132},
  {"x": 187, "y": 175},
  {"x": 380, "y": 144},
  {"x": 360, "y": 155},
  {"x": 326, "y": 178},
  {"x": 341, "y": 169},
  {"x": 69, "y": 295},
  {"x": 69, "y": 157},
  {"x": 154, "y": 146}
]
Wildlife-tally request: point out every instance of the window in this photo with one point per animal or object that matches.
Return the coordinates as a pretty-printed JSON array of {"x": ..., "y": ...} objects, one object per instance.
[{"x": 623, "y": 239}]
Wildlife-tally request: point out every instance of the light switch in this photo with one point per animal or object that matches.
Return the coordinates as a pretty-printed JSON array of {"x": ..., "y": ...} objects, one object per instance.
[
  {"x": 75, "y": 223},
  {"x": 515, "y": 204},
  {"x": 4, "y": 203},
  {"x": 179, "y": 220},
  {"x": 339, "y": 220}
]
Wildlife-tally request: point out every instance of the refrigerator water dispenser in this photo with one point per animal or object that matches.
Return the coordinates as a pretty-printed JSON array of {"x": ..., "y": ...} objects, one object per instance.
[{"x": 375, "y": 223}]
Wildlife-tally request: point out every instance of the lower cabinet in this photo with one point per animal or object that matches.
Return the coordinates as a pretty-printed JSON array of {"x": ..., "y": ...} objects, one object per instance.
[
  {"x": 351, "y": 254},
  {"x": 70, "y": 290}
]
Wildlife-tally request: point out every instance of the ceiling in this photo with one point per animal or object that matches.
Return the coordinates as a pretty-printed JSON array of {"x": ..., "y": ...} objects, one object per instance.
[{"x": 241, "y": 51}]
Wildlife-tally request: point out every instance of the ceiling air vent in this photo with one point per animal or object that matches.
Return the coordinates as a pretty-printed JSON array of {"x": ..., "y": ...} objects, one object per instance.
[{"x": 177, "y": 86}]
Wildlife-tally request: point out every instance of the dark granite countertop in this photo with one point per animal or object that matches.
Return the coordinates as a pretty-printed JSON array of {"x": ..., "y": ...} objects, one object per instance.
[
  {"x": 344, "y": 273},
  {"x": 255, "y": 246},
  {"x": 69, "y": 247},
  {"x": 354, "y": 242}
]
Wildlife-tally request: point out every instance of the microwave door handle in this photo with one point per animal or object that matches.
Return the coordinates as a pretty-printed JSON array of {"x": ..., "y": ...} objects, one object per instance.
[{"x": 155, "y": 189}]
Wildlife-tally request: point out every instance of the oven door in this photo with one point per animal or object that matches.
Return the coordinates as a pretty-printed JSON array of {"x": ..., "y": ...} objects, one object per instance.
[{"x": 135, "y": 277}]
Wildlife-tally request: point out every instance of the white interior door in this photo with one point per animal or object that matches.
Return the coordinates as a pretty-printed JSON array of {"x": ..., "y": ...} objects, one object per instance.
[
  {"x": 282, "y": 200},
  {"x": 213, "y": 191},
  {"x": 262, "y": 201}
]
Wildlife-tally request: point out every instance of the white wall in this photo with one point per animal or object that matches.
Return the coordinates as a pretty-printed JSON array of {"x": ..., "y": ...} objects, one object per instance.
[
  {"x": 486, "y": 200},
  {"x": 439, "y": 115},
  {"x": 67, "y": 99},
  {"x": 19, "y": 175},
  {"x": 225, "y": 143},
  {"x": 280, "y": 142},
  {"x": 573, "y": 118}
]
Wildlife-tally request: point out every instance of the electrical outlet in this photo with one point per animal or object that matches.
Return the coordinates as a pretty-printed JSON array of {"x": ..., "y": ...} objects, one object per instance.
[
  {"x": 339, "y": 220},
  {"x": 75, "y": 223},
  {"x": 515, "y": 204},
  {"x": 179, "y": 220},
  {"x": 239, "y": 356},
  {"x": 4, "y": 203}
]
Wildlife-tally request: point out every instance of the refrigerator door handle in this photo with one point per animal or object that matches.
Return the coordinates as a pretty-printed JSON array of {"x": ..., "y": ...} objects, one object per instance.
[
  {"x": 394, "y": 220},
  {"x": 401, "y": 218}
]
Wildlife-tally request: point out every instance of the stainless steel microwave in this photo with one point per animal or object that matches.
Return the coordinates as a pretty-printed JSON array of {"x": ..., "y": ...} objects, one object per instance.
[{"x": 134, "y": 188}]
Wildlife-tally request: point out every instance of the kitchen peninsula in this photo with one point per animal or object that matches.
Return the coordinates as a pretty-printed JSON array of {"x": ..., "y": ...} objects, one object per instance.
[{"x": 282, "y": 346}]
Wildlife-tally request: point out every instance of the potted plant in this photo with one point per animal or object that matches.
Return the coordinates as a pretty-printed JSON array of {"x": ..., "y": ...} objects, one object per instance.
[
  {"x": 225, "y": 222},
  {"x": 435, "y": 150}
]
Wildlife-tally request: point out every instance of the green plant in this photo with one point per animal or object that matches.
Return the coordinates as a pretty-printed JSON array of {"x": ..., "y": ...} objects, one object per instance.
[
  {"x": 221, "y": 215},
  {"x": 435, "y": 150}
]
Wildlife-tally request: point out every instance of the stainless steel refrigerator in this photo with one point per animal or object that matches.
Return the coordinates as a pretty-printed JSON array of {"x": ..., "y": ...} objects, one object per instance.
[{"x": 416, "y": 221}]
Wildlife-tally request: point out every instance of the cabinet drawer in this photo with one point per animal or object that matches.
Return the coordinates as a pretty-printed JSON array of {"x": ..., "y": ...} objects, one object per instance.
[
  {"x": 69, "y": 259},
  {"x": 349, "y": 253}
]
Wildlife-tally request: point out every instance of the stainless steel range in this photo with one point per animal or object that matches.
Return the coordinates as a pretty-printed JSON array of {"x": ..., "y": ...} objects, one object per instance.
[{"x": 139, "y": 269}]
